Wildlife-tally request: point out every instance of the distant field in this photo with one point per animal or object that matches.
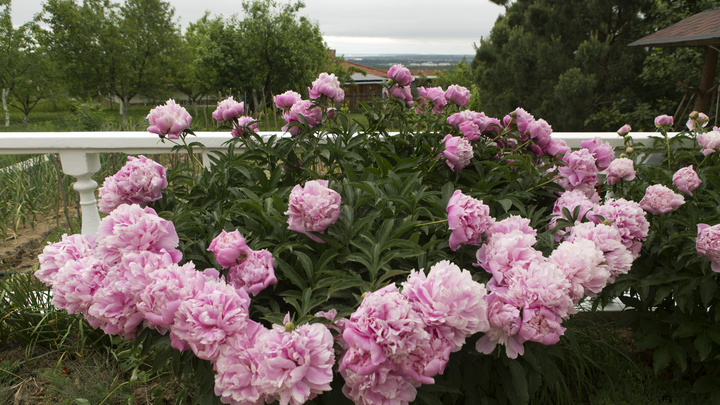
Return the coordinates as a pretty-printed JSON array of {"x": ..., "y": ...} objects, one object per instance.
[{"x": 438, "y": 62}]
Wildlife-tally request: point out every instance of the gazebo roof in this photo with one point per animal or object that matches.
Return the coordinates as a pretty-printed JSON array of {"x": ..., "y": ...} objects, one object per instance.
[{"x": 698, "y": 30}]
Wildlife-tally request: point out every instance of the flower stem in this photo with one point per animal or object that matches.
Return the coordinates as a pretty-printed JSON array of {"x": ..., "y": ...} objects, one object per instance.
[
  {"x": 542, "y": 184},
  {"x": 433, "y": 223}
]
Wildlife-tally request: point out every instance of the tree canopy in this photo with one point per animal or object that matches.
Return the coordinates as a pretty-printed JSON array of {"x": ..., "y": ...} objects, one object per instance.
[
  {"x": 568, "y": 61},
  {"x": 106, "y": 48},
  {"x": 270, "y": 50}
]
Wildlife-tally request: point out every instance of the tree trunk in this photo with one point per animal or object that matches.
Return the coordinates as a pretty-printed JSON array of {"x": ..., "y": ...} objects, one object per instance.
[
  {"x": 5, "y": 93},
  {"x": 702, "y": 102},
  {"x": 125, "y": 110}
]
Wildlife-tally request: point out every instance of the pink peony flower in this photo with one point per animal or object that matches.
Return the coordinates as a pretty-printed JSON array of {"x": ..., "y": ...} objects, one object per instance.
[
  {"x": 539, "y": 324},
  {"x": 697, "y": 120},
  {"x": 580, "y": 167},
  {"x": 458, "y": 95},
  {"x": 470, "y": 130},
  {"x": 229, "y": 248},
  {"x": 206, "y": 320},
  {"x": 287, "y": 99},
  {"x": 540, "y": 131},
  {"x": 582, "y": 263},
  {"x": 235, "y": 369},
  {"x": 458, "y": 118},
  {"x": 511, "y": 223},
  {"x": 506, "y": 253},
  {"x": 387, "y": 386},
  {"x": 169, "y": 120},
  {"x": 468, "y": 219},
  {"x": 169, "y": 287},
  {"x": 400, "y": 74},
  {"x": 76, "y": 283},
  {"x": 601, "y": 151},
  {"x": 659, "y": 199},
  {"x": 686, "y": 180},
  {"x": 228, "y": 109},
  {"x": 333, "y": 113},
  {"x": 620, "y": 169},
  {"x": 384, "y": 328},
  {"x": 708, "y": 244},
  {"x": 628, "y": 218},
  {"x": 570, "y": 200},
  {"x": 140, "y": 181},
  {"x": 710, "y": 141},
  {"x": 56, "y": 255},
  {"x": 131, "y": 228},
  {"x": 618, "y": 258},
  {"x": 557, "y": 147},
  {"x": 294, "y": 367},
  {"x": 313, "y": 208},
  {"x": 327, "y": 85},
  {"x": 663, "y": 121},
  {"x": 436, "y": 96},
  {"x": 523, "y": 119},
  {"x": 402, "y": 93},
  {"x": 302, "y": 108},
  {"x": 458, "y": 152},
  {"x": 505, "y": 321},
  {"x": 255, "y": 273},
  {"x": 244, "y": 126},
  {"x": 449, "y": 300},
  {"x": 624, "y": 130},
  {"x": 541, "y": 283}
]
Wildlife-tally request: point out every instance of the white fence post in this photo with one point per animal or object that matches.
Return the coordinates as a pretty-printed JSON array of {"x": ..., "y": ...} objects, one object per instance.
[{"x": 82, "y": 166}]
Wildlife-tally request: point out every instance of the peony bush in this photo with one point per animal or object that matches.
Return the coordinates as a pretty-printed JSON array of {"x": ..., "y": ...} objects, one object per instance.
[{"x": 340, "y": 263}]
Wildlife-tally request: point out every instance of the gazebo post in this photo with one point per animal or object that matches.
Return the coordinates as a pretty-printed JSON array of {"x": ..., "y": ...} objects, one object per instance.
[{"x": 702, "y": 102}]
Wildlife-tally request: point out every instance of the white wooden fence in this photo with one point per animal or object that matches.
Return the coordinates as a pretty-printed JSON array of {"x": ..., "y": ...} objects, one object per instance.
[{"x": 79, "y": 153}]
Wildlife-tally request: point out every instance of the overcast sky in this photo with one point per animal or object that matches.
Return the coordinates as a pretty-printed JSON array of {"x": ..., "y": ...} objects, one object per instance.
[{"x": 361, "y": 27}]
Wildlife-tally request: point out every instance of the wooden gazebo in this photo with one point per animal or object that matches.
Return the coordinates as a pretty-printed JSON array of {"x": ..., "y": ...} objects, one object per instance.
[{"x": 702, "y": 29}]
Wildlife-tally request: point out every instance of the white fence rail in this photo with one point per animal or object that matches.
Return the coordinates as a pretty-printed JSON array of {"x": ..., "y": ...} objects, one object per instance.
[{"x": 79, "y": 153}]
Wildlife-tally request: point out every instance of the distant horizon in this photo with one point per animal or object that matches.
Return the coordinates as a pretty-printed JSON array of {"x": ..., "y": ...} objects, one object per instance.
[
  {"x": 404, "y": 54},
  {"x": 377, "y": 27}
]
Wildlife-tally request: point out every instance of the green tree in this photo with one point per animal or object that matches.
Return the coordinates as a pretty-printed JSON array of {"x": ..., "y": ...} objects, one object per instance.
[
  {"x": 106, "y": 48},
  {"x": 565, "y": 60},
  {"x": 271, "y": 50},
  {"x": 26, "y": 74}
]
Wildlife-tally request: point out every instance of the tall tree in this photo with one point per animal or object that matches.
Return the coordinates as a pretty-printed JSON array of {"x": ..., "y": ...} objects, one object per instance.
[
  {"x": 565, "y": 60},
  {"x": 105, "y": 48},
  {"x": 26, "y": 74},
  {"x": 270, "y": 50}
]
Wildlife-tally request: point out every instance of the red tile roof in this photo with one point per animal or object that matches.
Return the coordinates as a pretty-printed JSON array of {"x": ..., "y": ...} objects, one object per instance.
[
  {"x": 367, "y": 69},
  {"x": 698, "y": 30}
]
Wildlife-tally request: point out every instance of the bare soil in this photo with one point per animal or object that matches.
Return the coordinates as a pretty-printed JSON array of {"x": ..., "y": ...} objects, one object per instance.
[{"x": 19, "y": 253}]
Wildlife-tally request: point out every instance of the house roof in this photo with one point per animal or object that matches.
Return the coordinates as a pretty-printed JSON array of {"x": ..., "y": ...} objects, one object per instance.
[
  {"x": 369, "y": 70},
  {"x": 359, "y": 78},
  {"x": 698, "y": 30}
]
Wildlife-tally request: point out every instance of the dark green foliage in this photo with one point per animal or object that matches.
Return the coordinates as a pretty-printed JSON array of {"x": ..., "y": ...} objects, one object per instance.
[
  {"x": 672, "y": 293},
  {"x": 568, "y": 62}
]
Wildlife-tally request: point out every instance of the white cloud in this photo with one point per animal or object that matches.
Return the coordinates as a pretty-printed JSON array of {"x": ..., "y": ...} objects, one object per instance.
[{"x": 370, "y": 26}]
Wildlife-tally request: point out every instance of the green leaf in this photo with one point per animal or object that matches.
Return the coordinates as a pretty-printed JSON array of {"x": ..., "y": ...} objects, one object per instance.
[
  {"x": 506, "y": 204},
  {"x": 707, "y": 290},
  {"x": 661, "y": 358},
  {"x": 703, "y": 344}
]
